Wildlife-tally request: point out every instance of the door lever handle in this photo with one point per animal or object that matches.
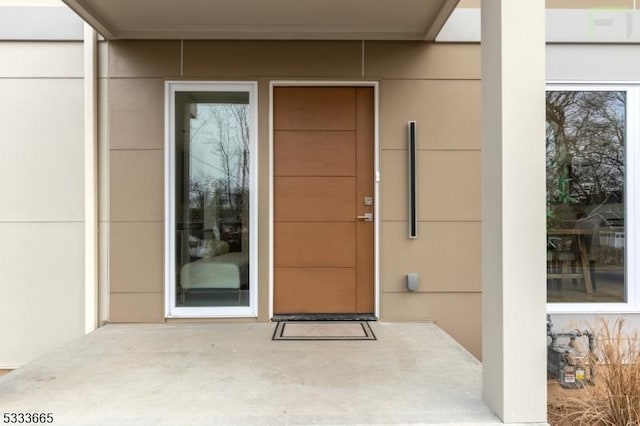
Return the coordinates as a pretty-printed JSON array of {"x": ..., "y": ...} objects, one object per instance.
[{"x": 368, "y": 217}]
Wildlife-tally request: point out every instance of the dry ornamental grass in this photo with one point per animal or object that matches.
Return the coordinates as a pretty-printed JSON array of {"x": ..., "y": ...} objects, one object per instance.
[{"x": 615, "y": 398}]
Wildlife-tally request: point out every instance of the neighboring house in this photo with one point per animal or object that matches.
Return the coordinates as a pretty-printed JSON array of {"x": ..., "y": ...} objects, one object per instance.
[{"x": 254, "y": 164}]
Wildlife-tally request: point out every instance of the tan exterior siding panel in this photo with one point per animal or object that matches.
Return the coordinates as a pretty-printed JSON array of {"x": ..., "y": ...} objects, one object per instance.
[
  {"x": 457, "y": 314},
  {"x": 421, "y": 60},
  {"x": 137, "y": 257},
  {"x": 469, "y": 4},
  {"x": 136, "y": 307},
  {"x": 144, "y": 58},
  {"x": 251, "y": 59},
  {"x": 136, "y": 113},
  {"x": 447, "y": 113},
  {"x": 136, "y": 185},
  {"x": 446, "y": 256},
  {"x": 448, "y": 185}
]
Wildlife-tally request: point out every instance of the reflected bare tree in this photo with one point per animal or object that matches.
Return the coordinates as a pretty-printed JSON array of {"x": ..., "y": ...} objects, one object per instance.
[
  {"x": 222, "y": 177},
  {"x": 585, "y": 138}
]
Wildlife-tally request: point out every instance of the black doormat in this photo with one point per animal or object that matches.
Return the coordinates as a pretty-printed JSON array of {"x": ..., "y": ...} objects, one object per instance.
[
  {"x": 323, "y": 330},
  {"x": 323, "y": 317}
]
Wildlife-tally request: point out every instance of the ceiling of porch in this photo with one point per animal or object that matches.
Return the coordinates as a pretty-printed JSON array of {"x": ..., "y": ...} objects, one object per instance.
[{"x": 266, "y": 19}]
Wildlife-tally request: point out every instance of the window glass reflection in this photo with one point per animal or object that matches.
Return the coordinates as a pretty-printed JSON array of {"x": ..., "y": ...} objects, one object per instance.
[
  {"x": 212, "y": 198},
  {"x": 585, "y": 159}
]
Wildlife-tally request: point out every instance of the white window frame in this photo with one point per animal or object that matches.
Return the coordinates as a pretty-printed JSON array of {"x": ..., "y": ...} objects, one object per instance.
[
  {"x": 171, "y": 310},
  {"x": 632, "y": 186}
]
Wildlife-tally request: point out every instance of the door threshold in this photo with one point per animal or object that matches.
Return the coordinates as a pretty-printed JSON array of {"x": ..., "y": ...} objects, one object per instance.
[{"x": 324, "y": 317}]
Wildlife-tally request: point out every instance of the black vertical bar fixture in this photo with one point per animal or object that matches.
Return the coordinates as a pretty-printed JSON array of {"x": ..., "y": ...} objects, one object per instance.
[{"x": 413, "y": 193}]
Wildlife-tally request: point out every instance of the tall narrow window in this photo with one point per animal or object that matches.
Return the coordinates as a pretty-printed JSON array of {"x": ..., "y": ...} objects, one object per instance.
[
  {"x": 212, "y": 225},
  {"x": 586, "y": 231}
]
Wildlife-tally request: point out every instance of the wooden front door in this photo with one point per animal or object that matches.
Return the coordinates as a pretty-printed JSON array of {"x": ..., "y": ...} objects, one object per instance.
[{"x": 324, "y": 180}]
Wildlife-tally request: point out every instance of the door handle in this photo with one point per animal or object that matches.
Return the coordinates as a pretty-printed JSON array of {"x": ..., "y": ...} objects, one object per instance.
[{"x": 368, "y": 217}]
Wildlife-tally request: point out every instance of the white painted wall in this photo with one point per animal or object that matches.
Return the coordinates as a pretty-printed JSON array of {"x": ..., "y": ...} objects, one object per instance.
[
  {"x": 593, "y": 25},
  {"x": 41, "y": 198},
  {"x": 593, "y": 62},
  {"x": 34, "y": 3}
]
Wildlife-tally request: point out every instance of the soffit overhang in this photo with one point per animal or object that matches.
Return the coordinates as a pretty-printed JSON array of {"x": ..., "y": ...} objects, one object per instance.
[{"x": 266, "y": 19}]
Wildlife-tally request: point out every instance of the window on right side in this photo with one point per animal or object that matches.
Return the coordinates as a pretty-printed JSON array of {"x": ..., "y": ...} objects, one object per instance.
[{"x": 586, "y": 151}]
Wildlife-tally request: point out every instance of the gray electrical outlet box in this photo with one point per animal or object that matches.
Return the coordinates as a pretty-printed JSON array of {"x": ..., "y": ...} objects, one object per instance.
[{"x": 412, "y": 281}]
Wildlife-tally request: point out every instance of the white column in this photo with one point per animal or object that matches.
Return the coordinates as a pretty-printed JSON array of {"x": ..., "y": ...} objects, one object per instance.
[
  {"x": 90, "y": 180},
  {"x": 513, "y": 209}
]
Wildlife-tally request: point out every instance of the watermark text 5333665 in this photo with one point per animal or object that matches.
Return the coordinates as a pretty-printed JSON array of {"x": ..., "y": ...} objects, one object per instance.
[{"x": 27, "y": 418}]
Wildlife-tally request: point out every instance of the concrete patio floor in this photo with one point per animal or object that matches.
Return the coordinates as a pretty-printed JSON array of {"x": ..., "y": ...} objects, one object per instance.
[{"x": 234, "y": 374}]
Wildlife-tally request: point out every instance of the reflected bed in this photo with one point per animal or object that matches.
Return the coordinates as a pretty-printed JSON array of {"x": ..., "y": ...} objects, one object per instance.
[{"x": 227, "y": 271}]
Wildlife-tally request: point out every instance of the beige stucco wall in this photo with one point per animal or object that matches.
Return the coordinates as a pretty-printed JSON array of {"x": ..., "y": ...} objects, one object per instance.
[
  {"x": 436, "y": 85},
  {"x": 41, "y": 194}
]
